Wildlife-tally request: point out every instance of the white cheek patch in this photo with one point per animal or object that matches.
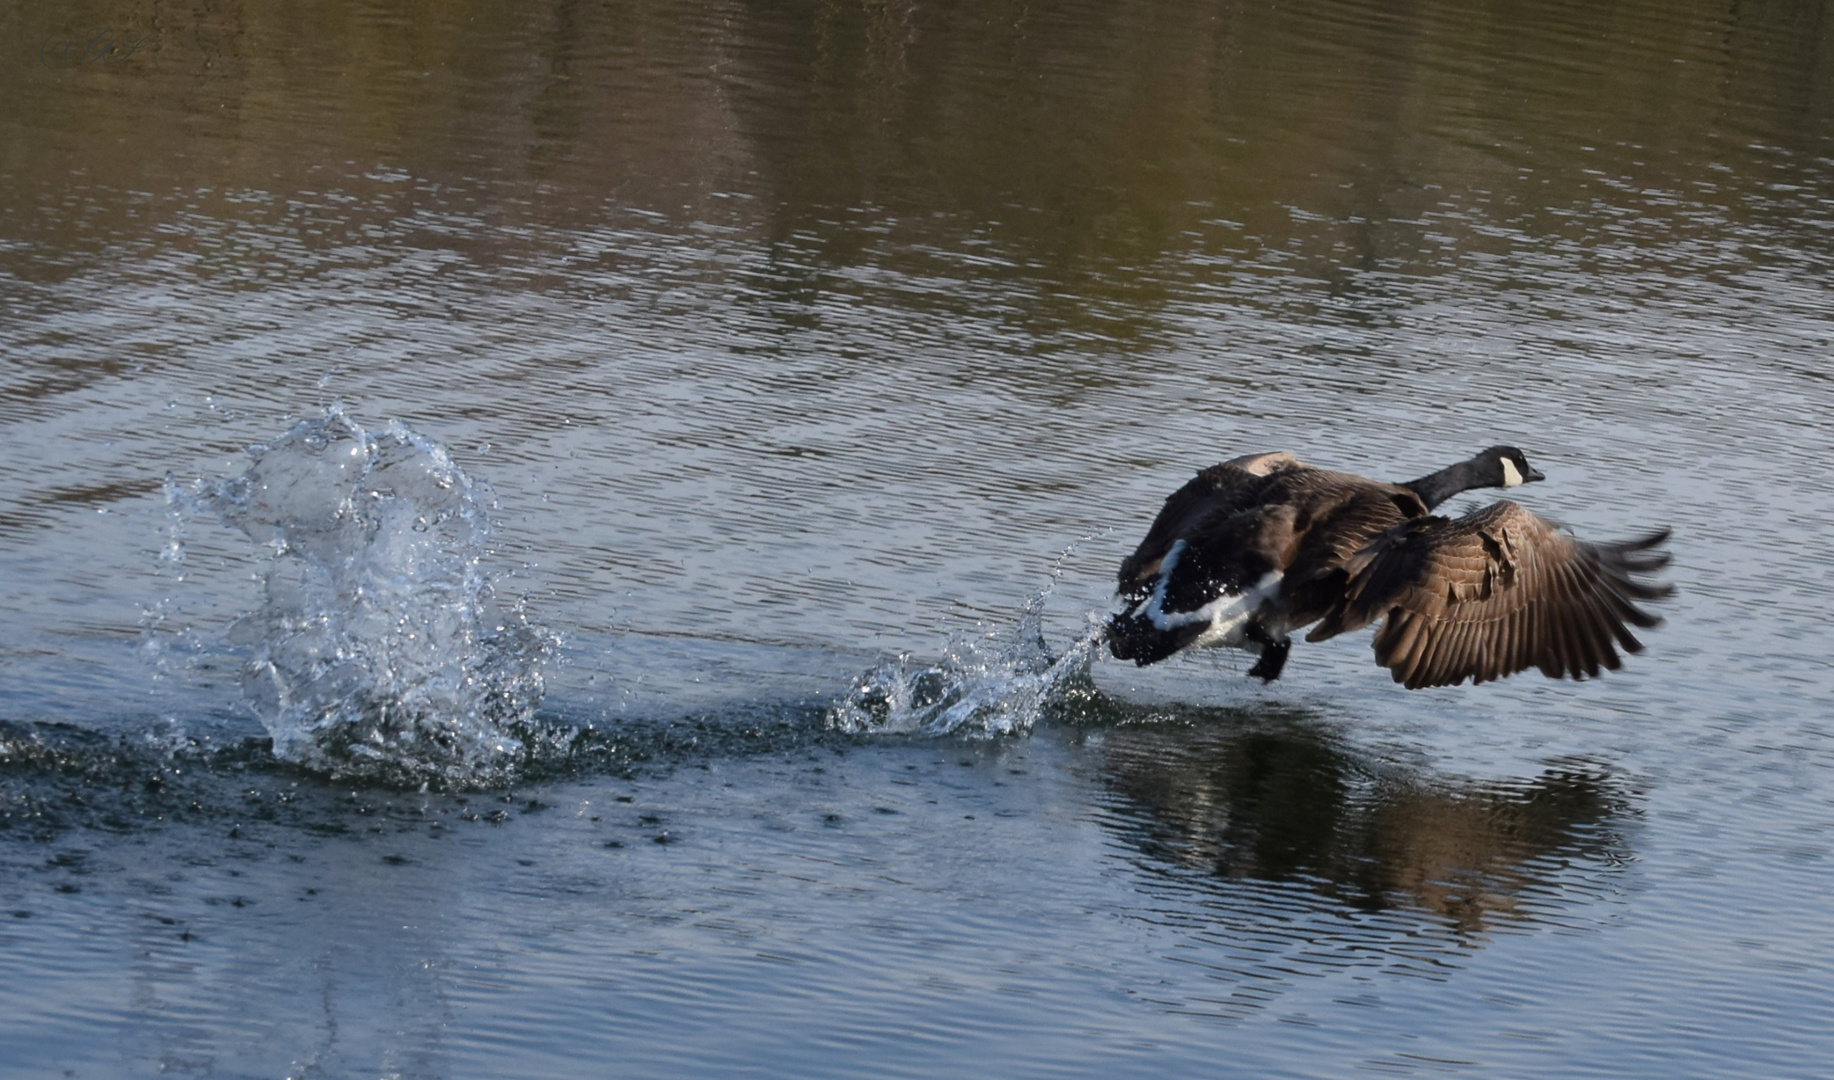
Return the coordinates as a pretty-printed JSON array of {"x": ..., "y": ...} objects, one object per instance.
[{"x": 1512, "y": 476}]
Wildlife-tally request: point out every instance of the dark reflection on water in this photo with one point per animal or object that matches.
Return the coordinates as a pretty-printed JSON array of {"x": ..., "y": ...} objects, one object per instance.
[
  {"x": 1221, "y": 798},
  {"x": 751, "y": 901}
]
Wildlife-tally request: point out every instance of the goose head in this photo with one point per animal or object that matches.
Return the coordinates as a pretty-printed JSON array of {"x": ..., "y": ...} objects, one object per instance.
[
  {"x": 1505, "y": 467},
  {"x": 1499, "y": 466}
]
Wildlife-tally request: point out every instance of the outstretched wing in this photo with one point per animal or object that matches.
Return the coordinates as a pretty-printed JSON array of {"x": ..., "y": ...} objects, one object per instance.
[
  {"x": 1493, "y": 593},
  {"x": 1213, "y": 495}
]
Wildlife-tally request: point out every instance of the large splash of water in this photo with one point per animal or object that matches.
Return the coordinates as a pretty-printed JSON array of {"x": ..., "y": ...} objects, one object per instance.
[
  {"x": 380, "y": 648},
  {"x": 998, "y": 682}
]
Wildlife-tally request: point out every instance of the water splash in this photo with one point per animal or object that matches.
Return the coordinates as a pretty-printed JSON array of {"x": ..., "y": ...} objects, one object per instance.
[
  {"x": 998, "y": 682},
  {"x": 380, "y": 649}
]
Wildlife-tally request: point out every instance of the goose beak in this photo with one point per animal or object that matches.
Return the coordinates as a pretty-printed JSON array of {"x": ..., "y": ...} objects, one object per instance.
[{"x": 1533, "y": 475}]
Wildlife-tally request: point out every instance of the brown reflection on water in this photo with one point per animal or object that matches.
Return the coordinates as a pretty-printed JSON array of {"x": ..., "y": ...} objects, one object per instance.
[
  {"x": 1080, "y": 171},
  {"x": 1070, "y": 141},
  {"x": 1236, "y": 799}
]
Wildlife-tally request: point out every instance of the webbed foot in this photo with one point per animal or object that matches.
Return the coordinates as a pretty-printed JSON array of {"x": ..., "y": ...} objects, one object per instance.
[{"x": 1273, "y": 653}]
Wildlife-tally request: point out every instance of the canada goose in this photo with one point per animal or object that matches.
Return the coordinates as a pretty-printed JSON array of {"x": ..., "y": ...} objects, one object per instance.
[{"x": 1265, "y": 544}]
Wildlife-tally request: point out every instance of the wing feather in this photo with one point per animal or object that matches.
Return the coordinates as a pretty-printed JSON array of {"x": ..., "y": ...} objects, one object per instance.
[
  {"x": 1215, "y": 494},
  {"x": 1402, "y": 639},
  {"x": 1495, "y": 592}
]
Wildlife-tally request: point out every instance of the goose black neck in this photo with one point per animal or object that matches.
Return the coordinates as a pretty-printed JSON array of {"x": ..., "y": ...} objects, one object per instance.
[{"x": 1437, "y": 487}]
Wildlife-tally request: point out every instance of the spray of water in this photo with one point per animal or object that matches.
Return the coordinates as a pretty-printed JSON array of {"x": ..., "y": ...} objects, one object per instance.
[
  {"x": 380, "y": 648},
  {"x": 997, "y": 682}
]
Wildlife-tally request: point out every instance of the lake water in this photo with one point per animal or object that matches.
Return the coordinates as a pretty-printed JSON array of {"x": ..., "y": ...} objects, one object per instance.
[{"x": 763, "y": 363}]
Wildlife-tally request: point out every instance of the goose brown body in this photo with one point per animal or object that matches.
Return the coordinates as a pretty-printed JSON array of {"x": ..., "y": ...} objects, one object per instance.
[{"x": 1256, "y": 547}]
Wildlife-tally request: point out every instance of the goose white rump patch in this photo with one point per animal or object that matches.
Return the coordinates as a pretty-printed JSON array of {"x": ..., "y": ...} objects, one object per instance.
[{"x": 1226, "y": 616}]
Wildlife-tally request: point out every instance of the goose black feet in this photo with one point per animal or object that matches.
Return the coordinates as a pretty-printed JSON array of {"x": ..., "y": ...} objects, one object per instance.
[{"x": 1273, "y": 652}]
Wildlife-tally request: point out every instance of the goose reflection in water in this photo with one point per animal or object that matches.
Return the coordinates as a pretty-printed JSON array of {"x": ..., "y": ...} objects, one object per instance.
[{"x": 1238, "y": 798}]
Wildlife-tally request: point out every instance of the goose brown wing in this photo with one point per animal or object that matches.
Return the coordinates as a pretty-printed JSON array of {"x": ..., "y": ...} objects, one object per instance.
[
  {"x": 1495, "y": 592},
  {"x": 1345, "y": 515},
  {"x": 1213, "y": 495}
]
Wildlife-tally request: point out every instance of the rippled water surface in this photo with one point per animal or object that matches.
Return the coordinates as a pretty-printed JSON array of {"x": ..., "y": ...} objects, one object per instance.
[{"x": 784, "y": 383}]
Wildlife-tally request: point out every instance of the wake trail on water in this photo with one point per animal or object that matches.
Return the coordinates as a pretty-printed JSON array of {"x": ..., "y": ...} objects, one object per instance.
[{"x": 380, "y": 648}]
